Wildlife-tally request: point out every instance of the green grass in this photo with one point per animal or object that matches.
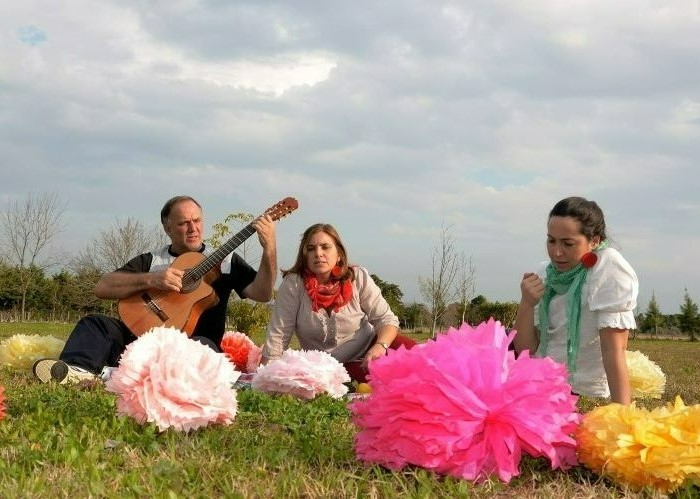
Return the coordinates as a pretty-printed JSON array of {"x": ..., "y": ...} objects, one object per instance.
[
  {"x": 68, "y": 442},
  {"x": 59, "y": 330}
]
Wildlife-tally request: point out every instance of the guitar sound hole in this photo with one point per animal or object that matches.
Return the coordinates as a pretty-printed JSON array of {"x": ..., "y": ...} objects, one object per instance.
[{"x": 189, "y": 284}]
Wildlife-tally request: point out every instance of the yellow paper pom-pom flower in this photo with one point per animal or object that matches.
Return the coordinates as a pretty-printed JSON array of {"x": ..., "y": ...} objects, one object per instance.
[
  {"x": 658, "y": 448},
  {"x": 21, "y": 350},
  {"x": 647, "y": 380}
]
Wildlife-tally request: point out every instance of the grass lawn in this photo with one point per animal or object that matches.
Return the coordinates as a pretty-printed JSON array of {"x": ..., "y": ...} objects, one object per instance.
[{"x": 58, "y": 441}]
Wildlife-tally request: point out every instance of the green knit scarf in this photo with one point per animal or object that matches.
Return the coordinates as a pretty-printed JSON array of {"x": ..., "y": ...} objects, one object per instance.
[{"x": 569, "y": 283}]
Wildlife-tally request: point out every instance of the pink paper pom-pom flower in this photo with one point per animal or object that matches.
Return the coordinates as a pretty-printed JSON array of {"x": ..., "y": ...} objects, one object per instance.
[
  {"x": 2, "y": 402},
  {"x": 464, "y": 406},
  {"x": 241, "y": 350},
  {"x": 304, "y": 374},
  {"x": 175, "y": 382}
]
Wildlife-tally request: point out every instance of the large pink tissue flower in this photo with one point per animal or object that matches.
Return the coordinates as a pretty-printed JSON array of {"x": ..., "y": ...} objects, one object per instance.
[
  {"x": 304, "y": 374},
  {"x": 175, "y": 382},
  {"x": 463, "y": 405},
  {"x": 241, "y": 350}
]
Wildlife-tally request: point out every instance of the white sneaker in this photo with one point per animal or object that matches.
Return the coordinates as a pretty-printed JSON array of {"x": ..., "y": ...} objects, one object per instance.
[
  {"x": 56, "y": 370},
  {"x": 106, "y": 373}
]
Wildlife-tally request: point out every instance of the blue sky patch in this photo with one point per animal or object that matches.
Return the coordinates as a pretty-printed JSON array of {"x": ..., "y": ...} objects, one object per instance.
[{"x": 31, "y": 35}]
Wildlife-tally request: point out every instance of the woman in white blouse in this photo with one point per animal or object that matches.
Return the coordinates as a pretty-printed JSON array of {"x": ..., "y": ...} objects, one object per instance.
[
  {"x": 331, "y": 306},
  {"x": 579, "y": 307}
]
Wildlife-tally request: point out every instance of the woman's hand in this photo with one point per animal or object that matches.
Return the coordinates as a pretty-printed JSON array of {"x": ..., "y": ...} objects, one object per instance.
[
  {"x": 531, "y": 289},
  {"x": 374, "y": 352}
]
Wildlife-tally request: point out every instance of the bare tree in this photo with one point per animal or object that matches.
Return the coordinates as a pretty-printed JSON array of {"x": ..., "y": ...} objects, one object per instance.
[
  {"x": 109, "y": 251},
  {"x": 439, "y": 289},
  {"x": 466, "y": 284},
  {"x": 28, "y": 227},
  {"x": 116, "y": 245}
]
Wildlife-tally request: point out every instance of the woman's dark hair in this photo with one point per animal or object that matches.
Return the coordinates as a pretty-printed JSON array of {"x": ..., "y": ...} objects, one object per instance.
[
  {"x": 299, "y": 266},
  {"x": 168, "y": 206},
  {"x": 588, "y": 214}
]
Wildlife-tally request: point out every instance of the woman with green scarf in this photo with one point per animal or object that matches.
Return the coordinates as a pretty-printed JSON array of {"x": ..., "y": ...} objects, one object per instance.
[{"x": 579, "y": 307}]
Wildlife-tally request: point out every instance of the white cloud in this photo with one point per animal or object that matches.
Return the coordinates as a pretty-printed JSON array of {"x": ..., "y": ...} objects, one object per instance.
[{"x": 386, "y": 120}]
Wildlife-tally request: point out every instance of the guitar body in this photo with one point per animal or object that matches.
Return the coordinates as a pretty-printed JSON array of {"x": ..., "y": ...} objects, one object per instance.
[{"x": 152, "y": 308}]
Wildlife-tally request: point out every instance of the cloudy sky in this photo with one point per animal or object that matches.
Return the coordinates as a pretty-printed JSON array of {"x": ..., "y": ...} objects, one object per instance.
[{"x": 389, "y": 119}]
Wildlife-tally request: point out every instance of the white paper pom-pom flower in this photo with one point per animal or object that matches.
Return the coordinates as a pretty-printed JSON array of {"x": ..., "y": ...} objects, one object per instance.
[
  {"x": 304, "y": 374},
  {"x": 647, "y": 380},
  {"x": 21, "y": 350},
  {"x": 175, "y": 382}
]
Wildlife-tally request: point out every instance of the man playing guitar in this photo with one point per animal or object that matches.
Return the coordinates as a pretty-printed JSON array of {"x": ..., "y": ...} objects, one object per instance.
[{"x": 151, "y": 282}]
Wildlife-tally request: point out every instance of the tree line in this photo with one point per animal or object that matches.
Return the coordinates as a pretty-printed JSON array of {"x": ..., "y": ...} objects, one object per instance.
[
  {"x": 686, "y": 323},
  {"x": 29, "y": 291},
  {"x": 68, "y": 295}
]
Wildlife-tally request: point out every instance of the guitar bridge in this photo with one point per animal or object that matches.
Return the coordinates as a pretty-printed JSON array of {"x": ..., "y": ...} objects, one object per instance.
[{"x": 154, "y": 307}]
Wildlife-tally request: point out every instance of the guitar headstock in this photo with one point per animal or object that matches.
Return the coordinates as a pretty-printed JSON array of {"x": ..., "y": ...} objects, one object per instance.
[{"x": 282, "y": 208}]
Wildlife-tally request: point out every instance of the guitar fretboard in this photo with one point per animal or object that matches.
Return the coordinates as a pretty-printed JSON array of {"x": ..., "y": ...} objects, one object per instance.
[{"x": 198, "y": 271}]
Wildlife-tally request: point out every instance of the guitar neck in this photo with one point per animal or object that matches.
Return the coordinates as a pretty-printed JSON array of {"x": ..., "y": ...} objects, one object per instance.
[
  {"x": 199, "y": 270},
  {"x": 275, "y": 212}
]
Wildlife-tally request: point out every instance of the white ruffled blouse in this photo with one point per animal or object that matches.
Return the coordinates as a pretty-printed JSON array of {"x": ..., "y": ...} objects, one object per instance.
[{"x": 609, "y": 297}]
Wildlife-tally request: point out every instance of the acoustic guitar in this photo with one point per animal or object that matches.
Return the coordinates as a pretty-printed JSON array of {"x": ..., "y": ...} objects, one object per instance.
[{"x": 145, "y": 310}]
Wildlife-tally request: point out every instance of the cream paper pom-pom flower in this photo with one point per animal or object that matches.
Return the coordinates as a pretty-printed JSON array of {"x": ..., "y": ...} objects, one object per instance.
[
  {"x": 166, "y": 378},
  {"x": 304, "y": 374},
  {"x": 21, "y": 350},
  {"x": 647, "y": 380}
]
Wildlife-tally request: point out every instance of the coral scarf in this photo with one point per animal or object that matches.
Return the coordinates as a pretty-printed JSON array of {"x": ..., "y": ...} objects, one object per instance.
[{"x": 333, "y": 294}]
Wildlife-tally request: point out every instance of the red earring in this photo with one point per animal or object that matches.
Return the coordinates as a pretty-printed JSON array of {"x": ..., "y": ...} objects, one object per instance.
[{"x": 589, "y": 259}]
